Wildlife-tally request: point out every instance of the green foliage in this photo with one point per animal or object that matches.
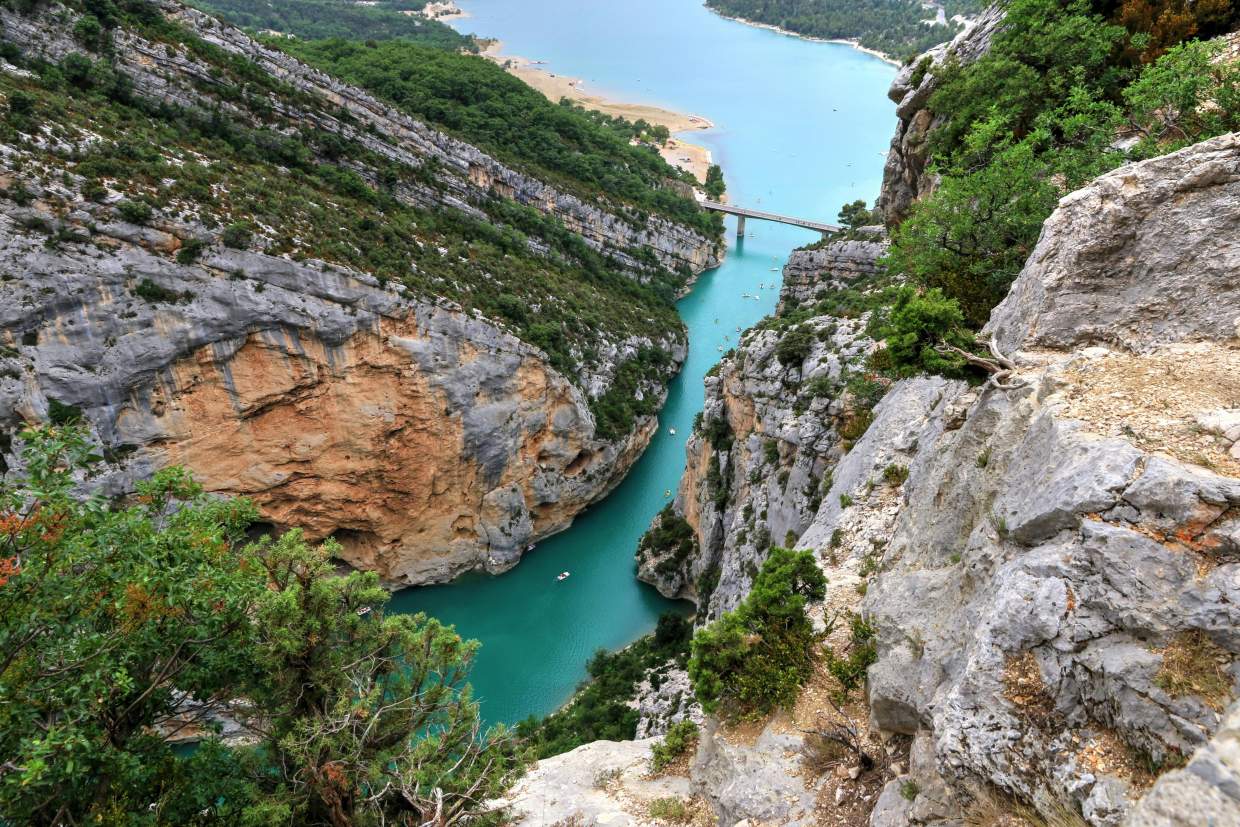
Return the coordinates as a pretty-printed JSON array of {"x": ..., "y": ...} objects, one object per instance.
[
  {"x": 856, "y": 214},
  {"x": 894, "y": 27},
  {"x": 758, "y": 656},
  {"x": 1189, "y": 94},
  {"x": 318, "y": 19},
  {"x": 582, "y": 151},
  {"x": 191, "y": 249},
  {"x": 671, "y": 539},
  {"x": 148, "y": 290},
  {"x": 237, "y": 235},
  {"x": 715, "y": 186},
  {"x": 111, "y": 618},
  {"x": 600, "y": 710},
  {"x": 895, "y": 474},
  {"x": 135, "y": 212},
  {"x": 862, "y": 653},
  {"x": 58, "y": 413},
  {"x": 669, "y": 809},
  {"x": 795, "y": 346},
  {"x": 918, "y": 321},
  {"x": 679, "y": 739},
  {"x": 1037, "y": 117},
  {"x": 617, "y": 409}
]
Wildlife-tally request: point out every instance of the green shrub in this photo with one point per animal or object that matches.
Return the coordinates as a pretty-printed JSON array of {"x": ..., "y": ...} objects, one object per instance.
[
  {"x": 895, "y": 474},
  {"x": 135, "y": 212},
  {"x": 148, "y": 290},
  {"x": 795, "y": 346},
  {"x": 237, "y": 235},
  {"x": 190, "y": 250},
  {"x": 862, "y": 652},
  {"x": 680, "y": 738},
  {"x": 758, "y": 656},
  {"x": 59, "y": 413},
  {"x": 916, "y": 324},
  {"x": 669, "y": 809}
]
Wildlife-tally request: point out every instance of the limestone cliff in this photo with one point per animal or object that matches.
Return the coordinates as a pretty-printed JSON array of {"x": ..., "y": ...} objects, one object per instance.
[
  {"x": 774, "y": 423},
  {"x": 426, "y": 440},
  {"x": 165, "y": 294},
  {"x": 905, "y": 177},
  {"x": 1051, "y": 570}
]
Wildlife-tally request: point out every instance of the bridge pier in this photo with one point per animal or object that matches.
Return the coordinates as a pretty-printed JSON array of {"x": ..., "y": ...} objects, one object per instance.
[{"x": 740, "y": 226}]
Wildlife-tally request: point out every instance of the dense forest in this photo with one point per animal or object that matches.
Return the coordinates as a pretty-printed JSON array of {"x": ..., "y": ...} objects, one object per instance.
[
  {"x": 315, "y": 19},
  {"x": 899, "y": 28}
]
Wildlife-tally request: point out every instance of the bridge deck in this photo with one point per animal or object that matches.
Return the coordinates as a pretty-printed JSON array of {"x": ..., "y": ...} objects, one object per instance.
[{"x": 770, "y": 216}]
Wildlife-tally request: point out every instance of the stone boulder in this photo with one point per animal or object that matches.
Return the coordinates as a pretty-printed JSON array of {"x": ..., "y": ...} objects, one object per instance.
[{"x": 1144, "y": 255}]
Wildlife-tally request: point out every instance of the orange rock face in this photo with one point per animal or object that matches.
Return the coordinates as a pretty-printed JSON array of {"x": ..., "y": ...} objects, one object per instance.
[{"x": 357, "y": 442}]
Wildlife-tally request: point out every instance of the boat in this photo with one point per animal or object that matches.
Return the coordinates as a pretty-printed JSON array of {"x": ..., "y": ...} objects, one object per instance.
[
  {"x": 672, "y": 431},
  {"x": 529, "y": 548},
  {"x": 363, "y": 611},
  {"x": 562, "y": 576},
  {"x": 667, "y": 492}
]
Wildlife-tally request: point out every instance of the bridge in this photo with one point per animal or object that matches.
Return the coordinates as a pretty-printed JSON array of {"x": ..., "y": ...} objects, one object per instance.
[{"x": 742, "y": 213}]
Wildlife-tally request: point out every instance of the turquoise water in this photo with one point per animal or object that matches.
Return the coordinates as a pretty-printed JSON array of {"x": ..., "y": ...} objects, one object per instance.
[{"x": 800, "y": 128}]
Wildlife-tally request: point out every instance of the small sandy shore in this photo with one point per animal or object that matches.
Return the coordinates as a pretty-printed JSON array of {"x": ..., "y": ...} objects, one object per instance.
[{"x": 696, "y": 159}]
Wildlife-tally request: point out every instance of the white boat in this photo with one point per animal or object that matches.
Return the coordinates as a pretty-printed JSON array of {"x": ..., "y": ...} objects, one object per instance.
[
  {"x": 672, "y": 431},
  {"x": 562, "y": 576}
]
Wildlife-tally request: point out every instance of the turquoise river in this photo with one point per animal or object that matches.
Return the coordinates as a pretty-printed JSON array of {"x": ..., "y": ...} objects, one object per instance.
[{"x": 800, "y": 128}]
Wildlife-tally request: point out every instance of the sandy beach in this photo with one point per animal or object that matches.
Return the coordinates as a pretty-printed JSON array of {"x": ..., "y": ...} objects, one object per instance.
[{"x": 680, "y": 153}]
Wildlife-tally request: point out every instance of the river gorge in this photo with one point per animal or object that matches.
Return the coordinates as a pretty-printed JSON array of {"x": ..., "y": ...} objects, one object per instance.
[{"x": 800, "y": 128}]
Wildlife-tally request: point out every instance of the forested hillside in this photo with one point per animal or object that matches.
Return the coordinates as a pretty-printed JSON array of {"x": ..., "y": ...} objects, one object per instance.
[
  {"x": 584, "y": 151},
  {"x": 900, "y": 28},
  {"x": 314, "y": 19}
]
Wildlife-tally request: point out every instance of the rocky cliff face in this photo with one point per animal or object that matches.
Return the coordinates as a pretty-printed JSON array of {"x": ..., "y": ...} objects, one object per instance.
[
  {"x": 1055, "y": 610},
  {"x": 1052, "y": 570},
  {"x": 905, "y": 177},
  {"x": 814, "y": 273},
  {"x": 426, "y": 439},
  {"x": 774, "y": 423}
]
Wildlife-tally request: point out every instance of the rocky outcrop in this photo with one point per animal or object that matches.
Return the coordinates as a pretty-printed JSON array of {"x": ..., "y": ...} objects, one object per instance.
[
  {"x": 811, "y": 273},
  {"x": 905, "y": 177},
  {"x": 755, "y": 467},
  {"x": 1206, "y": 789},
  {"x": 1115, "y": 266},
  {"x": 665, "y": 697},
  {"x": 1056, "y": 606},
  {"x": 1052, "y": 570},
  {"x": 425, "y": 440}
]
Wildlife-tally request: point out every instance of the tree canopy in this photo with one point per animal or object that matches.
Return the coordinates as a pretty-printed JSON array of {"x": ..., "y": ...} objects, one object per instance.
[{"x": 123, "y": 627}]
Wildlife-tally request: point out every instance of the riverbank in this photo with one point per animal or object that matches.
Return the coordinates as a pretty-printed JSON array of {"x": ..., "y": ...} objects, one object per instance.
[
  {"x": 847, "y": 41},
  {"x": 678, "y": 152}
]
